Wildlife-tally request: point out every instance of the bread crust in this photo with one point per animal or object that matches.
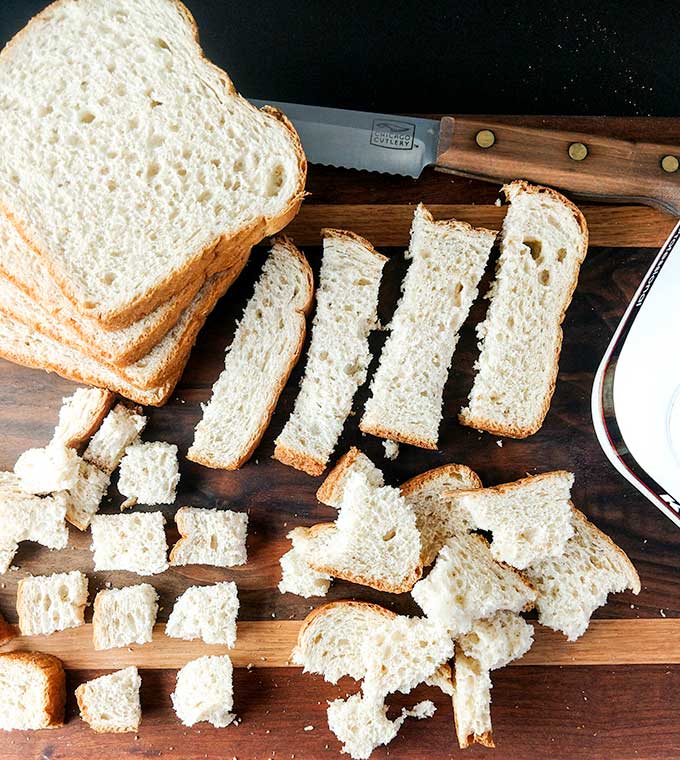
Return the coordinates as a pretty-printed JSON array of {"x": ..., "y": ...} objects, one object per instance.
[
  {"x": 54, "y": 694},
  {"x": 7, "y": 632},
  {"x": 349, "y": 235},
  {"x": 218, "y": 253},
  {"x": 325, "y": 492},
  {"x": 395, "y": 435},
  {"x": 298, "y": 460},
  {"x": 413, "y": 484},
  {"x": 515, "y": 431},
  {"x": 93, "y": 422},
  {"x": 503, "y": 488}
]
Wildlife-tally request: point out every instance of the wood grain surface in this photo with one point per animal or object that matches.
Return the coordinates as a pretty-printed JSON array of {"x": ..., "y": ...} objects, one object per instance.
[{"x": 614, "y": 694}]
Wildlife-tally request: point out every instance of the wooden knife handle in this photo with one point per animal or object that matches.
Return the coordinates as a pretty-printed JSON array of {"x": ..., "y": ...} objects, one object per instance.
[{"x": 588, "y": 165}]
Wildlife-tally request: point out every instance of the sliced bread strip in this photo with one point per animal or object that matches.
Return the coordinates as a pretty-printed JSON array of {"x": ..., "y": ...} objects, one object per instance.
[
  {"x": 32, "y": 691},
  {"x": 110, "y": 703},
  {"x": 466, "y": 583},
  {"x": 543, "y": 242},
  {"x": 572, "y": 586},
  {"x": 472, "y": 702},
  {"x": 297, "y": 577},
  {"x": 134, "y": 542},
  {"x": 149, "y": 473},
  {"x": 49, "y": 603},
  {"x": 498, "y": 640},
  {"x": 84, "y": 498},
  {"x": 210, "y": 537},
  {"x": 121, "y": 426},
  {"x": 124, "y": 616},
  {"x": 53, "y": 468},
  {"x": 530, "y": 519},
  {"x": 262, "y": 354},
  {"x": 338, "y": 356},
  {"x": 237, "y": 174},
  {"x": 81, "y": 414},
  {"x": 447, "y": 262},
  {"x": 204, "y": 691},
  {"x": 206, "y": 612}
]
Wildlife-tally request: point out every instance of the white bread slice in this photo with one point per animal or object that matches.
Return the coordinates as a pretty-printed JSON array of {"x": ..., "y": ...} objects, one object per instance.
[
  {"x": 110, "y": 703},
  {"x": 236, "y": 173},
  {"x": 447, "y": 262},
  {"x": 530, "y": 519},
  {"x": 49, "y": 603},
  {"x": 124, "y": 616},
  {"x": 332, "y": 489},
  {"x": 32, "y": 691},
  {"x": 81, "y": 414},
  {"x": 472, "y": 702},
  {"x": 53, "y": 468},
  {"x": 466, "y": 584},
  {"x": 498, "y": 640},
  {"x": 84, "y": 498},
  {"x": 149, "y": 473},
  {"x": 210, "y": 537},
  {"x": 339, "y": 355},
  {"x": 262, "y": 354},
  {"x": 121, "y": 426},
  {"x": 297, "y": 577},
  {"x": 134, "y": 542},
  {"x": 373, "y": 542},
  {"x": 204, "y": 691},
  {"x": 206, "y": 612},
  {"x": 543, "y": 242},
  {"x": 571, "y": 587}
]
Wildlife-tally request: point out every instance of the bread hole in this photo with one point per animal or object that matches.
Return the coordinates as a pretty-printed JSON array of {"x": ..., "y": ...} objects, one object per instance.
[
  {"x": 174, "y": 127},
  {"x": 458, "y": 289},
  {"x": 236, "y": 184},
  {"x": 561, "y": 254},
  {"x": 133, "y": 123},
  {"x": 218, "y": 209},
  {"x": 215, "y": 162},
  {"x": 544, "y": 277},
  {"x": 362, "y": 281},
  {"x": 111, "y": 185},
  {"x": 155, "y": 103},
  {"x": 162, "y": 44},
  {"x": 181, "y": 171},
  {"x": 390, "y": 535},
  {"x": 45, "y": 110},
  {"x": 275, "y": 181},
  {"x": 535, "y": 249},
  {"x": 204, "y": 197},
  {"x": 156, "y": 140},
  {"x": 213, "y": 542},
  {"x": 152, "y": 170},
  {"x": 110, "y": 67}
]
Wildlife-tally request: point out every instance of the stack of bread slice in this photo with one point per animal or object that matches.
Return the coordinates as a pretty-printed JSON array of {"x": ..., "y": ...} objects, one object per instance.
[{"x": 132, "y": 188}]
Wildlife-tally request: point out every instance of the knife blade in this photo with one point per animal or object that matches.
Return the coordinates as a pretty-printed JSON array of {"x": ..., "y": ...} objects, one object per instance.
[{"x": 588, "y": 165}]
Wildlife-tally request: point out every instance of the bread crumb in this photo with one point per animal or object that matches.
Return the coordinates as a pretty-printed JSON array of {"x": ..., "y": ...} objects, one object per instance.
[
  {"x": 662, "y": 613},
  {"x": 391, "y": 449},
  {"x": 499, "y": 443},
  {"x": 308, "y": 728},
  {"x": 497, "y": 202}
]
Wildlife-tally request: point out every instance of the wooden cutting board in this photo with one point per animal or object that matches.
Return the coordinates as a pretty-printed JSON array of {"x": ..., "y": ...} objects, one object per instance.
[{"x": 613, "y": 694}]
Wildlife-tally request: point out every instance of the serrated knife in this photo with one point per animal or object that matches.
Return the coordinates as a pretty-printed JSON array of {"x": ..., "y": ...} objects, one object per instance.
[{"x": 588, "y": 165}]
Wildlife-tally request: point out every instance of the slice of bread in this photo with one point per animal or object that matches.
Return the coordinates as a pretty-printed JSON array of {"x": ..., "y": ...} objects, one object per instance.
[
  {"x": 297, "y": 577},
  {"x": 236, "y": 174},
  {"x": 361, "y": 724},
  {"x": 121, "y": 426},
  {"x": 571, "y": 587},
  {"x": 49, "y": 603},
  {"x": 32, "y": 691},
  {"x": 339, "y": 355},
  {"x": 81, "y": 414},
  {"x": 543, "y": 242},
  {"x": 53, "y": 468},
  {"x": 86, "y": 495},
  {"x": 134, "y": 542},
  {"x": 373, "y": 542},
  {"x": 530, "y": 519},
  {"x": 447, "y": 262},
  {"x": 262, "y": 354},
  {"x": 110, "y": 703},
  {"x": 466, "y": 584},
  {"x": 332, "y": 489},
  {"x": 210, "y": 537},
  {"x": 206, "y": 612},
  {"x": 472, "y": 702},
  {"x": 498, "y": 640},
  {"x": 124, "y": 616},
  {"x": 149, "y": 473},
  {"x": 204, "y": 691},
  {"x": 7, "y": 632}
]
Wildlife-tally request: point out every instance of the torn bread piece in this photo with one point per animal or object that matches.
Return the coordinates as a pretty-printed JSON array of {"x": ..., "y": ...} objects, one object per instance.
[
  {"x": 297, "y": 577},
  {"x": 332, "y": 489},
  {"x": 121, "y": 426},
  {"x": 472, "y": 702},
  {"x": 204, "y": 691},
  {"x": 81, "y": 414},
  {"x": 338, "y": 356},
  {"x": 210, "y": 537},
  {"x": 49, "y": 603},
  {"x": 134, "y": 542},
  {"x": 497, "y": 640},
  {"x": 543, "y": 243},
  {"x": 447, "y": 262},
  {"x": 149, "y": 473},
  {"x": 530, "y": 519},
  {"x": 49, "y": 469},
  {"x": 110, "y": 703},
  {"x": 124, "y": 616},
  {"x": 85, "y": 497},
  {"x": 262, "y": 354},
  {"x": 32, "y": 691},
  {"x": 572, "y": 586},
  {"x": 207, "y": 613}
]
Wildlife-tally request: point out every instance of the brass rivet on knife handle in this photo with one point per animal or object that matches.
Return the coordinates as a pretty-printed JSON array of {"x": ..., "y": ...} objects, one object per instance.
[
  {"x": 670, "y": 164},
  {"x": 578, "y": 151},
  {"x": 485, "y": 138}
]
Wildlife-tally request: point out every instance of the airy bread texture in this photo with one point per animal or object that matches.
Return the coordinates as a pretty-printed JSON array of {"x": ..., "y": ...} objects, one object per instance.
[
  {"x": 447, "y": 262},
  {"x": 572, "y": 586},
  {"x": 53, "y": 468},
  {"x": 530, "y": 519},
  {"x": 210, "y": 537},
  {"x": 263, "y": 352},
  {"x": 338, "y": 356},
  {"x": 32, "y": 691},
  {"x": 204, "y": 691},
  {"x": 543, "y": 242},
  {"x": 373, "y": 542},
  {"x": 86, "y": 495},
  {"x": 133, "y": 542},
  {"x": 149, "y": 473},
  {"x": 49, "y": 603},
  {"x": 206, "y": 612},
  {"x": 124, "y": 616},
  {"x": 466, "y": 584},
  {"x": 472, "y": 702},
  {"x": 361, "y": 725},
  {"x": 297, "y": 577},
  {"x": 193, "y": 168},
  {"x": 121, "y": 426},
  {"x": 81, "y": 414},
  {"x": 110, "y": 704},
  {"x": 497, "y": 640}
]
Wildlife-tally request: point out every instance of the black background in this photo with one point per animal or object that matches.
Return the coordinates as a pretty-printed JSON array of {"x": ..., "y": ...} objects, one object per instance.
[{"x": 613, "y": 58}]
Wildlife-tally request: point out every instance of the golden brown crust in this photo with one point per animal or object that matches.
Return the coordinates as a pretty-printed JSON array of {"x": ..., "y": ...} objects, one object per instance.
[
  {"x": 454, "y": 224},
  {"x": 54, "y": 694},
  {"x": 503, "y": 488},
  {"x": 412, "y": 485},
  {"x": 327, "y": 488},
  {"x": 395, "y": 435},
  {"x": 298, "y": 460},
  {"x": 348, "y": 235},
  {"x": 94, "y": 421},
  {"x": 324, "y": 608},
  {"x": 7, "y": 632}
]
